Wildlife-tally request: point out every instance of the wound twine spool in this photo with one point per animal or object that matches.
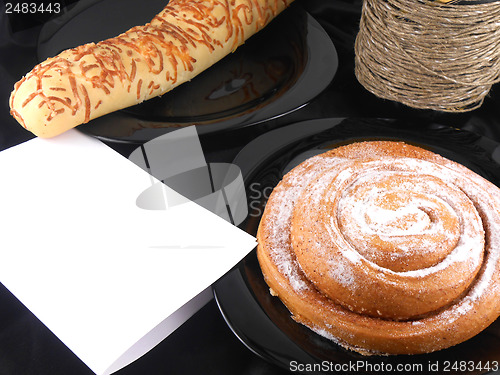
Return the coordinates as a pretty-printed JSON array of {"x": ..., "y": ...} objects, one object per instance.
[{"x": 429, "y": 54}]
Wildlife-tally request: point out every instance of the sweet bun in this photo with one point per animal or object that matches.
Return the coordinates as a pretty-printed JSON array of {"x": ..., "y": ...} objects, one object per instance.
[{"x": 385, "y": 248}]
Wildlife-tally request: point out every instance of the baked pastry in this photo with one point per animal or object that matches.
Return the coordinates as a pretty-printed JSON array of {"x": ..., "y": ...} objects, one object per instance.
[
  {"x": 91, "y": 80},
  {"x": 385, "y": 248}
]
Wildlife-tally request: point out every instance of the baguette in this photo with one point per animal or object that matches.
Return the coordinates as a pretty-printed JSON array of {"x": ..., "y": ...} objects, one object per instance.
[{"x": 184, "y": 39}]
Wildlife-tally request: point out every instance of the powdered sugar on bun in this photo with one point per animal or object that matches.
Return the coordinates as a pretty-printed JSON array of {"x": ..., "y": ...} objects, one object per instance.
[{"x": 386, "y": 247}]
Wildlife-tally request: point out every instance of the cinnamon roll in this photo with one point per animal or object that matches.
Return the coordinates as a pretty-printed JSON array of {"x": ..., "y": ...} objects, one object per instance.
[{"x": 385, "y": 248}]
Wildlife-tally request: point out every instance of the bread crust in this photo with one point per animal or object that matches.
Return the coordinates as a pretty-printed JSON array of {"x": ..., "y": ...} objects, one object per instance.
[
  {"x": 184, "y": 39},
  {"x": 362, "y": 297}
]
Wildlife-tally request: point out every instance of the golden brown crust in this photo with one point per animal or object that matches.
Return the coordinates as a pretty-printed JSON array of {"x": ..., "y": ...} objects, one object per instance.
[
  {"x": 183, "y": 40},
  {"x": 385, "y": 248}
]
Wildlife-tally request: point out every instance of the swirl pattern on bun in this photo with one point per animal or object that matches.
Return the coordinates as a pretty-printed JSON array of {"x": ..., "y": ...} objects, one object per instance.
[{"x": 385, "y": 248}]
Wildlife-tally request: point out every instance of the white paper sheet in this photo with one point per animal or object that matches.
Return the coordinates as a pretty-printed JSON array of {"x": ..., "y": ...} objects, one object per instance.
[{"x": 107, "y": 277}]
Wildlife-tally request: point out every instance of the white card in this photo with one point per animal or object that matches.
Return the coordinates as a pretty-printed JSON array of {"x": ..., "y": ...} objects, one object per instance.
[{"x": 110, "y": 279}]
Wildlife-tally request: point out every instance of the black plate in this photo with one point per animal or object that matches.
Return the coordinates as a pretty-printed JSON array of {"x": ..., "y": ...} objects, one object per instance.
[
  {"x": 277, "y": 71},
  {"x": 262, "y": 322}
]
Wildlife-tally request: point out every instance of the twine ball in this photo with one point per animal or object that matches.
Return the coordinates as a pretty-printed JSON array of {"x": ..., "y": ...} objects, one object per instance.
[{"x": 429, "y": 54}]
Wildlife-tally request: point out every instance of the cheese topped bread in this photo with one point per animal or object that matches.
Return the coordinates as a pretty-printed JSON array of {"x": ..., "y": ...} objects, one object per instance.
[{"x": 184, "y": 39}]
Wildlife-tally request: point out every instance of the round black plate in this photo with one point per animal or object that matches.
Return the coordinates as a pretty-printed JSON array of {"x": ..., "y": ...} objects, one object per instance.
[
  {"x": 262, "y": 322},
  {"x": 277, "y": 71}
]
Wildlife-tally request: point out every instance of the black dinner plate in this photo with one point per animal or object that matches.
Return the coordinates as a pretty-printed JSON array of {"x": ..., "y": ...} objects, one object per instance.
[
  {"x": 277, "y": 71},
  {"x": 262, "y": 322}
]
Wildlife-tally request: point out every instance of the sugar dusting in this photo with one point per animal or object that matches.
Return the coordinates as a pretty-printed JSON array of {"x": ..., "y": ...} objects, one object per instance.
[
  {"x": 468, "y": 250},
  {"x": 280, "y": 219}
]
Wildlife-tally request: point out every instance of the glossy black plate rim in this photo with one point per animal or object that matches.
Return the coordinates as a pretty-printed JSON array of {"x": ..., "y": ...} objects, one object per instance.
[
  {"x": 319, "y": 71},
  {"x": 234, "y": 296}
]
